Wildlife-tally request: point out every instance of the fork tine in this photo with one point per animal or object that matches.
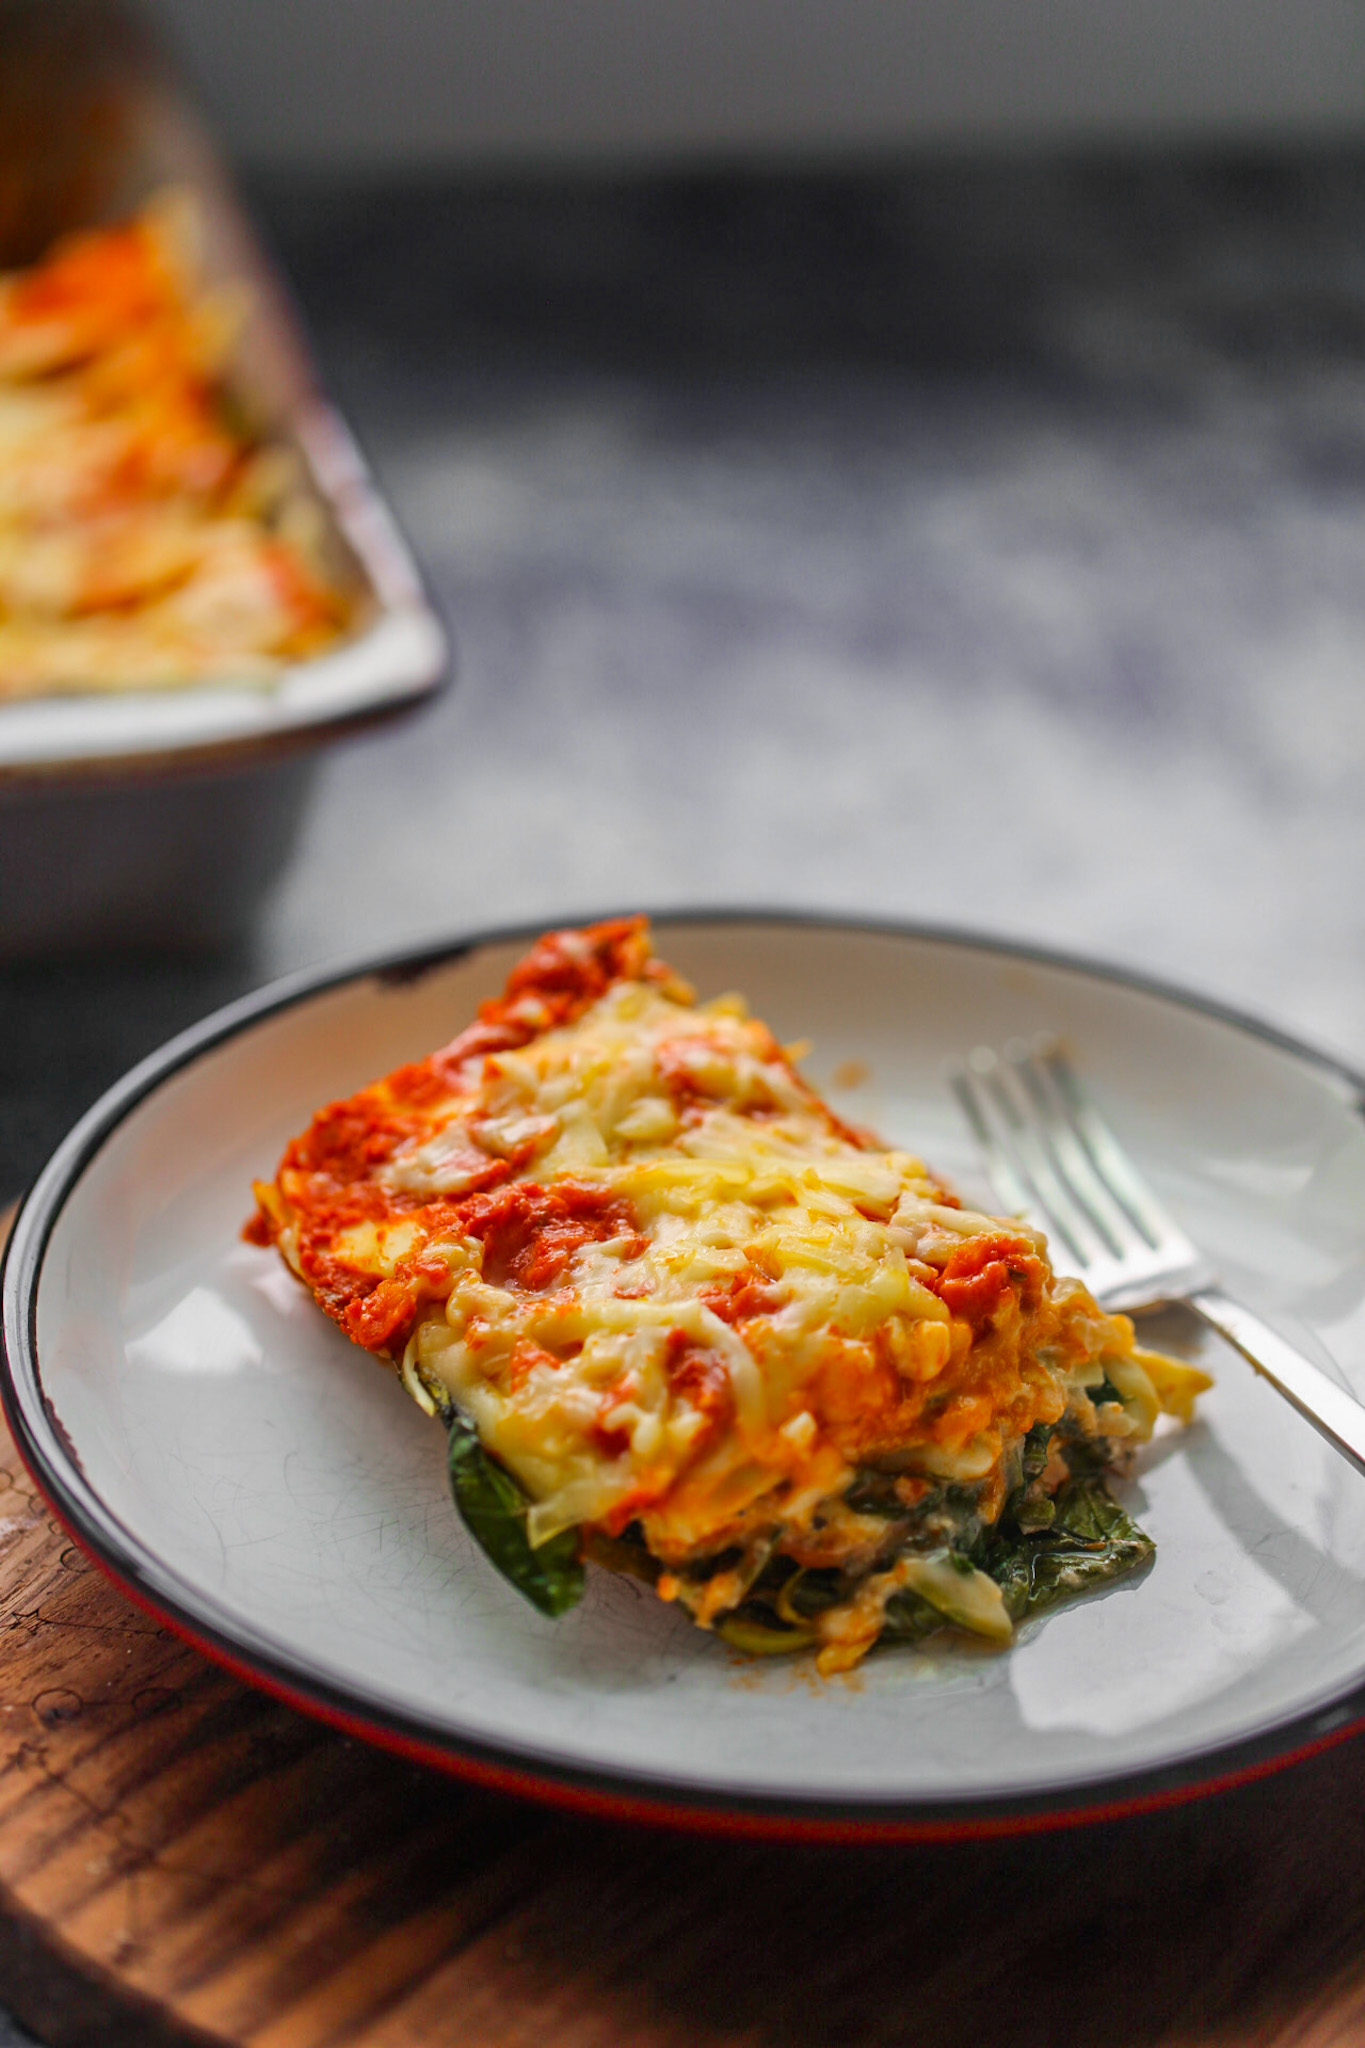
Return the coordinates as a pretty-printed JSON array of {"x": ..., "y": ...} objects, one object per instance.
[
  {"x": 1058, "y": 1152},
  {"x": 1060, "y": 1214},
  {"x": 1111, "y": 1163},
  {"x": 1017, "y": 1163},
  {"x": 1010, "y": 1190},
  {"x": 1074, "y": 1167}
]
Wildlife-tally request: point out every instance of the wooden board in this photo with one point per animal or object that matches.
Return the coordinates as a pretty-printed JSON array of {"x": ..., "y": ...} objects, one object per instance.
[{"x": 182, "y": 1860}]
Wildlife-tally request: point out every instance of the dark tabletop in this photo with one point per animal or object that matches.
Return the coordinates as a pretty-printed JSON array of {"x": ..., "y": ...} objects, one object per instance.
[{"x": 976, "y": 542}]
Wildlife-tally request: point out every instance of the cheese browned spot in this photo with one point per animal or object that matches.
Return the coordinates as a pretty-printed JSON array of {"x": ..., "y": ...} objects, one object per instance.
[{"x": 700, "y": 1319}]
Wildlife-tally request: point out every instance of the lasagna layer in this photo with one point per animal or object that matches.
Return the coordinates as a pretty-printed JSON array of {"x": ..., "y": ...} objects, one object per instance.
[
  {"x": 146, "y": 540},
  {"x": 702, "y": 1329}
]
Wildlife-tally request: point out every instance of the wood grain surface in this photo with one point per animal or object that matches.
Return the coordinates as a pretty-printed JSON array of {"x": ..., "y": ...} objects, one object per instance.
[{"x": 183, "y": 1860}]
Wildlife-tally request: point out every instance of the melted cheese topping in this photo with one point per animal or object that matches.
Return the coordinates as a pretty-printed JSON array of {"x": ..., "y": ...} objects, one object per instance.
[
  {"x": 670, "y": 1287},
  {"x": 144, "y": 542},
  {"x": 756, "y": 1244}
]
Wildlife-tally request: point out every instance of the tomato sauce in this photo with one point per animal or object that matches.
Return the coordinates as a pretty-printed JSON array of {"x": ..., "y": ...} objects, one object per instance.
[
  {"x": 984, "y": 1270},
  {"x": 346, "y": 1141},
  {"x": 530, "y": 1233},
  {"x": 742, "y": 1295},
  {"x": 700, "y": 1377}
]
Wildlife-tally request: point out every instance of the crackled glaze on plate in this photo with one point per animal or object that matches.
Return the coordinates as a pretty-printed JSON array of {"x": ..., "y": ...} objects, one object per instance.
[{"x": 233, "y": 1457}]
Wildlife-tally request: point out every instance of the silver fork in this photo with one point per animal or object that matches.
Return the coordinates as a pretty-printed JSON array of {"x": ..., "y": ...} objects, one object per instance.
[{"x": 1051, "y": 1157}]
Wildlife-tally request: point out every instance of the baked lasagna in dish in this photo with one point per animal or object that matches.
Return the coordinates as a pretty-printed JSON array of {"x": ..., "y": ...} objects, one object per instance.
[
  {"x": 681, "y": 1320},
  {"x": 147, "y": 538}
]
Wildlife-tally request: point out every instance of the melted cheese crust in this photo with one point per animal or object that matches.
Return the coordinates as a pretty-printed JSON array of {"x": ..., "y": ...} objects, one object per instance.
[
  {"x": 670, "y": 1287},
  {"x": 144, "y": 542}
]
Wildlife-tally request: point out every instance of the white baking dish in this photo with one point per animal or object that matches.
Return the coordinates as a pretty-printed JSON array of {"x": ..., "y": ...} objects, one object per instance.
[{"x": 161, "y": 816}]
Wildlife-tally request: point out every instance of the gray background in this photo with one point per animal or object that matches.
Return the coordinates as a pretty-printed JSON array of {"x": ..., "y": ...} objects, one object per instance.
[
  {"x": 396, "y": 82},
  {"x": 976, "y": 543}
]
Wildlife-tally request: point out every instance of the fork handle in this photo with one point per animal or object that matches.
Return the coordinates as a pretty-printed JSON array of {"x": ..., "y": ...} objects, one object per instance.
[{"x": 1334, "y": 1413}]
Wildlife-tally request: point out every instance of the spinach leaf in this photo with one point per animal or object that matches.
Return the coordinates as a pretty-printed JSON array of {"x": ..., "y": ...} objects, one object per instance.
[
  {"x": 1106, "y": 1391},
  {"x": 1088, "y": 1512},
  {"x": 493, "y": 1508},
  {"x": 1037, "y": 1449},
  {"x": 1030, "y": 1507},
  {"x": 1091, "y": 1539},
  {"x": 908, "y": 1619}
]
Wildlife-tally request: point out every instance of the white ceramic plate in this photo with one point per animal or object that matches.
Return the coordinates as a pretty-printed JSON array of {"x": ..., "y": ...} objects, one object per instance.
[{"x": 269, "y": 1490}]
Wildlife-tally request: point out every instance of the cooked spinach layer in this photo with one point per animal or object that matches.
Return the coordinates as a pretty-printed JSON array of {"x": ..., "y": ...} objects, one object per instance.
[
  {"x": 1089, "y": 1541},
  {"x": 493, "y": 1507},
  {"x": 1044, "y": 1547}
]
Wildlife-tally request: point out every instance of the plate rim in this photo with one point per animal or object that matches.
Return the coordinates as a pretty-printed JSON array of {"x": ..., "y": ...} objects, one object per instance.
[{"x": 630, "y": 1793}]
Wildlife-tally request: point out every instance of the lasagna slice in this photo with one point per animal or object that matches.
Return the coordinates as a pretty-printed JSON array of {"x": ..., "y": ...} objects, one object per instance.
[{"x": 680, "y": 1319}]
